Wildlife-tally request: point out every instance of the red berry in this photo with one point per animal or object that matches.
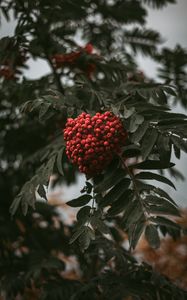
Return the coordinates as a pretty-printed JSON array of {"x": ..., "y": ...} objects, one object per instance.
[{"x": 106, "y": 143}]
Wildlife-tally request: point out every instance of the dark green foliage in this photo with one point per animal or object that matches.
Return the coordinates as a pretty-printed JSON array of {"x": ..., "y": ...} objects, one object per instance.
[
  {"x": 33, "y": 114},
  {"x": 81, "y": 201},
  {"x": 159, "y": 3},
  {"x": 173, "y": 69}
]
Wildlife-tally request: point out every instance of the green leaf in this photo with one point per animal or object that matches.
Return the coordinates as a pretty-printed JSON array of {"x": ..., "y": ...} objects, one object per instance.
[
  {"x": 177, "y": 151},
  {"x": 135, "y": 121},
  {"x": 83, "y": 213},
  {"x": 59, "y": 161},
  {"x": 139, "y": 133},
  {"x": 135, "y": 231},
  {"x": 132, "y": 214},
  {"x": 152, "y": 236},
  {"x": 89, "y": 187},
  {"x": 43, "y": 110},
  {"x": 98, "y": 224},
  {"x": 148, "y": 142},
  {"x": 128, "y": 112},
  {"x": 170, "y": 90},
  {"x": 163, "y": 221},
  {"x": 80, "y": 201},
  {"x": 115, "y": 192},
  {"x": 164, "y": 148},
  {"x": 131, "y": 151},
  {"x": 76, "y": 234},
  {"x": 86, "y": 237},
  {"x": 163, "y": 194},
  {"x": 110, "y": 180},
  {"x": 161, "y": 206},
  {"x": 181, "y": 143},
  {"x": 152, "y": 165},
  {"x": 47, "y": 169},
  {"x": 161, "y": 97},
  {"x": 121, "y": 204},
  {"x": 153, "y": 176},
  {"x": 15, "y": 204}
]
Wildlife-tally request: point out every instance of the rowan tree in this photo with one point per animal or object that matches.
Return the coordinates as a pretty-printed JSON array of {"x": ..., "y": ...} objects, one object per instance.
[{"x": 98, "y": 114}]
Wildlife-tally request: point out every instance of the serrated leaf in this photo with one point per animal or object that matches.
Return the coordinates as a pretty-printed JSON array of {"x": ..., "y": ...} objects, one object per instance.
[
  {"x": 135, "y": 231},
  {"x": 80, "y": 201},
  {"x": 110, "y": 180},
  {"x": 131, "y": 151},
  {"x": 164, "y": 221},
  {"x": 162, "y": 99},
  {"x": 43, "y": 110},
  {"x": 170, "y": 90},
  {"x": 161, "y": 206},
  {"x": 181, "y": 143},
  {"x": 89, "y": 187},
  {"x": 139, "y": 133},
  {"x": 135, "y": 121},
  {"x": 152, "y": 236},
  {"x": 47, "y": 170},
  {"x": 148, "y": 142},
  {"x": 120, "y": 205},
  {"x": 115, "y": 192},
  {"x": 132, "y": 214},
  {"x": 164, "y": 148},
  {"x": 98, "y": 224},
  {"x": 163, "y": 194},
  {"x": 59, "y": 161},
  {"x": 15, "y": 204},
  {"x": 83, "y": 213},
  {"x": 159, "y": 96},
  {"x": 153, "y": 176},
  {"x": 26, "y": 197},
  {"x": 76, "y": 234},
  {"x": 86, "y": 237},
  {"x": 128, "y": 112},
  {"x": 152, "y": 165},
  {"x": 177, "y": 151}
]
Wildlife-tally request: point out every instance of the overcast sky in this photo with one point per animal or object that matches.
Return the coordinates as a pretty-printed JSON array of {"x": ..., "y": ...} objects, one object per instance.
[{"x": 171, "y": 22}]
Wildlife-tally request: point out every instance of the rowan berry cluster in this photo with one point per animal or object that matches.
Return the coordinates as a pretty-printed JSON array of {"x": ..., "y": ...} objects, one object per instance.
[
  {"x": 73, "y": 60},
  {"x": 92, "y": 142},
  {"x": 7, "y": 72}
]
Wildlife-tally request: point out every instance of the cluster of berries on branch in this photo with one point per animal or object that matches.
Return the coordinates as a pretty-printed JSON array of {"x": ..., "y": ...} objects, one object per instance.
[
  {"x": 76, "y": 60},
  {"x": 92, "y": 142}
]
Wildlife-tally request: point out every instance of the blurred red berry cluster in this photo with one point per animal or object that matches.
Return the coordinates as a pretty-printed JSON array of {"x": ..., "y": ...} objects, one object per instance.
[
  {"x": 9, "y": 67},
  {"x": 92, "y": 142},
  {"x": 7, "y": 72},
  {"x": 73, "y": 60}
]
